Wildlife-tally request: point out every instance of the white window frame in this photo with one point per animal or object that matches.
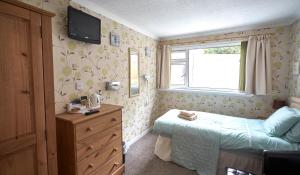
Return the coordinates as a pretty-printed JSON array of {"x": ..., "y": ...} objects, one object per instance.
[
  {"x": 186, "y": 49},
  {"x": 185, "y": 61}
]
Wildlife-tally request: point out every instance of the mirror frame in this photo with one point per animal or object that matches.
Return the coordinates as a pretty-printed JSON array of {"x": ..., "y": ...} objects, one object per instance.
[{"x": 130, "y": 50}]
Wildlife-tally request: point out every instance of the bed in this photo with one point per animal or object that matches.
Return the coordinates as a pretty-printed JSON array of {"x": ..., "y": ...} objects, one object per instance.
[
  {"x": 213, "y": 142},
  {"x": 246, "y": 160}
]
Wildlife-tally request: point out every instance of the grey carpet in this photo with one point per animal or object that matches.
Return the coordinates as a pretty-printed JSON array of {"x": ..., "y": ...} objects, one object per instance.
[{"x": 140, "y": 160}]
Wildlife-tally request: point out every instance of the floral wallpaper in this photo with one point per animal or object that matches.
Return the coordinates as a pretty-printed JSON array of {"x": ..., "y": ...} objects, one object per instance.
[
  {"x": 295, "y": 52},
  {"x": 96, "y": 64},
  {"x": 236, "y": 105}
]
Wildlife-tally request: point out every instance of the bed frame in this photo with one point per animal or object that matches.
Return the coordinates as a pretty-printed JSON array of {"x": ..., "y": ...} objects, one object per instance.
[
  {"x": 295, "y": 102},
  {"x": 249, "y": 161}
]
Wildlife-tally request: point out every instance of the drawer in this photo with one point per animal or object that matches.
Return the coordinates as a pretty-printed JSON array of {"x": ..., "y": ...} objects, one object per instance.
[
  {"x": 110, "y": 167},
  {"x": 97, "y": 159},
  {"x": 98, "y": 141},
  {"x": 90, "y": 127}
]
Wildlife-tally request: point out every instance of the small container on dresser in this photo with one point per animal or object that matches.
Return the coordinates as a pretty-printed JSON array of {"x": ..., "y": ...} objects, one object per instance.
[{"x": 90, "y": 145}]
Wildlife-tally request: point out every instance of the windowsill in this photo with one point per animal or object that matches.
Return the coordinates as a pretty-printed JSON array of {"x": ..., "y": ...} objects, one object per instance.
[{"x": 208, "y": 91}]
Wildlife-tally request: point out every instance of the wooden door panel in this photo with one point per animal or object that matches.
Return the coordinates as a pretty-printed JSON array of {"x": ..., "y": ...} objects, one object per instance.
[
  {"x": 11, "y": 146},
  {"x": 23, "y": 78},
  {"x": 6, "y": 8},
  {"x": 15, "y": 78},
  {"x": 15, "y": 164},
  {"x": 22, "y": 119}
]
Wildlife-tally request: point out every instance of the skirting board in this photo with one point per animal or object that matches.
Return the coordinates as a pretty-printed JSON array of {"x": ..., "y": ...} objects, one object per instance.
[{"x": 132, "y": 141}]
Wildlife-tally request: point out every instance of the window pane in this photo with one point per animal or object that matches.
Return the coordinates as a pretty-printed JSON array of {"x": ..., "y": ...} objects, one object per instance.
[
  {"x": 177, "y": 74},
  {"x": 214, "y": 67},
  {"x": 178, "y": 55}
]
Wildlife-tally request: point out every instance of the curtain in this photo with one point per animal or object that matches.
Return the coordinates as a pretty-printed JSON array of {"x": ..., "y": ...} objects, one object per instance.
[
  {"x": 243, "y": 65},
  {"x": 258, "y": 79},
  {"x": 163, "y": 67}
]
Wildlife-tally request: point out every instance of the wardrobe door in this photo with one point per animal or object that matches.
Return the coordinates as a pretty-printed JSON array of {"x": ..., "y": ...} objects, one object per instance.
[{"x": 22, "y": 113}]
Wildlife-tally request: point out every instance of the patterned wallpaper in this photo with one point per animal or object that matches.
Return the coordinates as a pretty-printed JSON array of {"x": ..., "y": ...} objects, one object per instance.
[
  {"x": 295, "y": 55},
  {"x": 96, "y": 64},
  {"x": 244, "y": 106}
]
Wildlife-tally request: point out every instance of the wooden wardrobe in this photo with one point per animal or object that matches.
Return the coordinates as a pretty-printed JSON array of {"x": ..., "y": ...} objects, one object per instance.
[{"x": 27, "y": 119}]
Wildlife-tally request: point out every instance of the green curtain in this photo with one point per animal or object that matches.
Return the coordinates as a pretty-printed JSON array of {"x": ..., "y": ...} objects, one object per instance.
[{"x": 243, "y": 65}]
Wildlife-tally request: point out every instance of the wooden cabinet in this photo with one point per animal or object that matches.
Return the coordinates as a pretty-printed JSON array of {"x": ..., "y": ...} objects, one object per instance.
[
  {"x": 26, "y": 86},
  {"x": 90, "y": 145}
]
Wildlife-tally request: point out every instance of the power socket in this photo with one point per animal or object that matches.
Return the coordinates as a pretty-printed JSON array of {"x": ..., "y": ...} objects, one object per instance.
[{"x": 79, "y": 85}]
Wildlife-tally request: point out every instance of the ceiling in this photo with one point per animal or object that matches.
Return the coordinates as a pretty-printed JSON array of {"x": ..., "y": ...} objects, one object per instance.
[{"x": 165, "y": 19}]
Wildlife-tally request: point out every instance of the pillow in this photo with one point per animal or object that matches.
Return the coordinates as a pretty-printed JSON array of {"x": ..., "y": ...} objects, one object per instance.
[
  {"x": 293, "y": 135},
  {"x": 281, "y": 121}
]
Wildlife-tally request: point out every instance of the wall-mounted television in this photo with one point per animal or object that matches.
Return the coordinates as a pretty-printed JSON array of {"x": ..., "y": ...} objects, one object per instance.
[{"x": 83, "y": 27}]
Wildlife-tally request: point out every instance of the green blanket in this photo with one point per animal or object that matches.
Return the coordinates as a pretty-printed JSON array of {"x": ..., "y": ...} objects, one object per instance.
[{"x": 196, "y": 144}]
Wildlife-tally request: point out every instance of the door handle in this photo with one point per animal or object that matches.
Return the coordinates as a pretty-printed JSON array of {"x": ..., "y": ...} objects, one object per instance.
[{"x": 25, "y": 92}]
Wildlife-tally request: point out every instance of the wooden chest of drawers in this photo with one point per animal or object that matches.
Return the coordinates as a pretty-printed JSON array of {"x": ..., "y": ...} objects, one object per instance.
[{"x": 90, "y": 145}]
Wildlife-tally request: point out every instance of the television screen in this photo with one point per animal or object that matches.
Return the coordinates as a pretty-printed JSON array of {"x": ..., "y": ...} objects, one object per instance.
[{"x": 83, "y": 27}]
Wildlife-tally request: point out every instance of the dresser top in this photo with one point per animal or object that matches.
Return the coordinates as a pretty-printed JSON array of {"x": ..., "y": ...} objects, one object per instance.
[{"x": 77, "y": 118}]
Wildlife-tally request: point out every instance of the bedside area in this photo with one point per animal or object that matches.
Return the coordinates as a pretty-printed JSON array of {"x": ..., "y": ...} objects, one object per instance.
[{"x": 90, "y": 145}]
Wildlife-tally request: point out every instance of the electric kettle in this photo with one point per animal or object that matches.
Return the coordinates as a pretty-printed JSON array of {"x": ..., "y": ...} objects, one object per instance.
[{"x": 95, "y": 100}]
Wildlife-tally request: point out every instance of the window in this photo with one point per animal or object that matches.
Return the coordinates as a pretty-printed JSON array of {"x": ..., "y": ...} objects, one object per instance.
[
  {"x": 178, "y": 68},
  {"x": 214, "y": 66}
]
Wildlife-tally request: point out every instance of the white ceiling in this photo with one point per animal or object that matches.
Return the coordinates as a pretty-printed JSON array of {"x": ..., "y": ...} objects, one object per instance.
[{"x": 173, "y": 18}]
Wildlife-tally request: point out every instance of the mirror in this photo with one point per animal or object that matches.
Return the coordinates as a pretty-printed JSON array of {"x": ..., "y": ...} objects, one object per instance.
[{"x": 134, "y": 82}]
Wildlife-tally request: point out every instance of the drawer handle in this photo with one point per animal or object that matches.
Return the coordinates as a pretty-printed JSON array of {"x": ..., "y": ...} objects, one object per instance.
[
  {"x": 90, "y": 147},
  {"x": 113, "y": 119},
  {"x": 91, "y": 165},
  {"x": 114, "y": 134},
  {"x": 97, "y": 154},
  {"x": 90, "y": 129},
  {"x": 115, "y": 150},
  {"x": 116, "y": 164}
]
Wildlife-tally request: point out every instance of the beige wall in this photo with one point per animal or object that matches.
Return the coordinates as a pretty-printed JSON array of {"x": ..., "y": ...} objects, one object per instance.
[{"x": 95, "y": 64}]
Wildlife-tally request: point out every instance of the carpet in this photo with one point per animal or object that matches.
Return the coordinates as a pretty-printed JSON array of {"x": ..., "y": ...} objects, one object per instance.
[{"x": 140, "y": 160}]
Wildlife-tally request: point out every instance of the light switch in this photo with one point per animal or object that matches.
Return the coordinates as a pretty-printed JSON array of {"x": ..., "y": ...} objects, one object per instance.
[
  {"x": 296, "y": 68},
  {"x": 146, "y": 77},
  {"x": 79, "y": 85}
]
